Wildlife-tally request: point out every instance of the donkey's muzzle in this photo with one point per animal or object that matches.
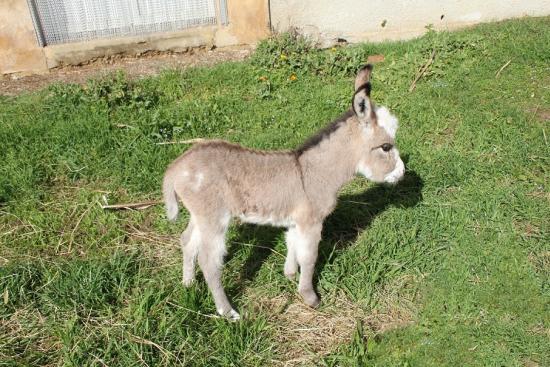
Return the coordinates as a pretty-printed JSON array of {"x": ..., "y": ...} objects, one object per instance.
[{"x": 397, "y": 174}]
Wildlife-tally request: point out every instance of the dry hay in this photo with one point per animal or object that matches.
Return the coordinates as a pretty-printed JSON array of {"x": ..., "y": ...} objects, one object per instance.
[
  {"x": 26, "y": 325},
  {"x": 163, "y": 248},
  {"x": 304, "y": 335}
]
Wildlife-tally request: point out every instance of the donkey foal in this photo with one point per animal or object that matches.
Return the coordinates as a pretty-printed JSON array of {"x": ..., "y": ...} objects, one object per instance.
[{"x": 216, "y": 181}]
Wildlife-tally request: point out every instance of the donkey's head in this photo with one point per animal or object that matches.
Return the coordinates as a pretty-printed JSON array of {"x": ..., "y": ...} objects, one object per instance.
[{"x": 379, "y": 161}]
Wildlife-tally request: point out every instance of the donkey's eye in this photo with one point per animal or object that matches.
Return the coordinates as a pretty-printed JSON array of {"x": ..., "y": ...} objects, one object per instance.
[{"x": 386, "y": 147}]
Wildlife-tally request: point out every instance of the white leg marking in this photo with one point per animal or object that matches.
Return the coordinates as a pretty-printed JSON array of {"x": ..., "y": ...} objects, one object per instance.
[
  {"x": 291, "y": 264},
  {"x": 190, "y": 252},
  {"x": 298, "y": 239}
]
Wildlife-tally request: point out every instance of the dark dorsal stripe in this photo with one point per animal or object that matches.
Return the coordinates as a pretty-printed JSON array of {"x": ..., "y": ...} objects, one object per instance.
[{"x": 324, "y": 133}]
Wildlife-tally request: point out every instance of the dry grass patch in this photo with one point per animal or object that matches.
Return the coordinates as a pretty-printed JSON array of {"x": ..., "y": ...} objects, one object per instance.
[
  {"x": 540, "y": 194},
  {"x": 540, "y": 261},
  {"x": 305, "y": 335},
  {"x": 527, "y": 229},
  {"x": 164, "y": 249},
  {"x": 443, "y": 137},
  {"x": 25, "y": 329}
]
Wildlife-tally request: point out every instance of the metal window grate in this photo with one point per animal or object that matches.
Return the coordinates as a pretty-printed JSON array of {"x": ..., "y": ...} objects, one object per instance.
[{"x": 62, "y": 21}]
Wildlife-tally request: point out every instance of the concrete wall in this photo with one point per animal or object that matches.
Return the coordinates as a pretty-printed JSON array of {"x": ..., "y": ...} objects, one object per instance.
[
  {"x": 20, "y": 53},
  {"x": 377, "y": 20}
]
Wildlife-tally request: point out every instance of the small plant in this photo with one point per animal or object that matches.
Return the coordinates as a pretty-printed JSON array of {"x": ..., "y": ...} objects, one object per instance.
[
  {"x": 118, "y": 91},
  {"x": 115, "y": 91},
  {"x": 283, "y": 51},
  {"x": 65, "y": 94},
  {"x": 292, "y": 53}
]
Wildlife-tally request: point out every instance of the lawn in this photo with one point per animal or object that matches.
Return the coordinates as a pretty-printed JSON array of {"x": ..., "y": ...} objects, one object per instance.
[{"x": 449, "y": 268}]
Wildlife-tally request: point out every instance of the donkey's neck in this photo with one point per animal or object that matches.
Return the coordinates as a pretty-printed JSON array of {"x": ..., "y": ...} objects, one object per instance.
[{"x": 330, "y": 164}]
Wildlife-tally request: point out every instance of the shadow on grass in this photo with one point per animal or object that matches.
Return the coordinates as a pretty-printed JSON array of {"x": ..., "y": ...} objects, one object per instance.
[
  {"x": 356, "y": 212},
  {"x": 353, "y": 214}
]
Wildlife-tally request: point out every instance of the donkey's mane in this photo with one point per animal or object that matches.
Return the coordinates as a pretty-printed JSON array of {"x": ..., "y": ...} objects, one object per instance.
[
  {"x": 218, "y": 143},
  {"x": 324, "y": 133},
  {"x": 310, "y": 143}
]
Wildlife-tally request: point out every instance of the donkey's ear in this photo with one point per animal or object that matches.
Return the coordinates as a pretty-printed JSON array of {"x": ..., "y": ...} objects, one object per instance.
[
  {"x": 362, "y": 105},
  {"x": 363, "y": 76}
]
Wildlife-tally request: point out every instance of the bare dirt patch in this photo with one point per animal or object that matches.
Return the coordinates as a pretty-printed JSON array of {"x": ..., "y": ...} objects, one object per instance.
[
  {"x": 149, "y": 63},
  {"x": 541, "y": 113}
]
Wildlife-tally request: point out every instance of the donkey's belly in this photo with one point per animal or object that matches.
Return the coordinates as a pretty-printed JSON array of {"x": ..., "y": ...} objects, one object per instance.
[{"x": 266, "y": 220}]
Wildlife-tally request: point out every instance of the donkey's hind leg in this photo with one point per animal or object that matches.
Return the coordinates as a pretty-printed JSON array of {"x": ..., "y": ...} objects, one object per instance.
[
  {"x": 291, "y": 264},
  {"x": 211, "y": 255},
  {"x": 190, "y": 242}
]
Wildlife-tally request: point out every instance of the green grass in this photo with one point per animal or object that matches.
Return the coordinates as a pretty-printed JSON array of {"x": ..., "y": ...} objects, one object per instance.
[{"x": 450, "y": 268}]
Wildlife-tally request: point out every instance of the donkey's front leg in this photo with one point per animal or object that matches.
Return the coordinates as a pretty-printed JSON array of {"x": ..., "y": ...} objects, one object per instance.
[{"x": 305, "y": 241}]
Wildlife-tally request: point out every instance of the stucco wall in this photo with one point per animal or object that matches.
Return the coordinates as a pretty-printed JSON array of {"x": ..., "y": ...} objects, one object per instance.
[
  {"x": 325, "y": 20},
  {"x": 377, "y": 20},
  {"x": 248, "y": 22},
  {"x": 19, "y": 51}
]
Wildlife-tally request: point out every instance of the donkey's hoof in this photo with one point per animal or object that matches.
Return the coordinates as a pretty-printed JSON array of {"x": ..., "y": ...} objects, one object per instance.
[
  {"x": 231, "y": 314},
  {"x": 310, "y": 298},
  {"x": 234, "y": 315}
]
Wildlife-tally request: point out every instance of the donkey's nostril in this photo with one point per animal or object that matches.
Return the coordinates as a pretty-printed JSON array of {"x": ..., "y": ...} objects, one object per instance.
[{"x": 397, "y": 174}]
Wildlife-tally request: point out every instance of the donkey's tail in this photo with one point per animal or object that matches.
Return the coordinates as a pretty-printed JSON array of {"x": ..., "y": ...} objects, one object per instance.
[{"x": 170, "y": 198}]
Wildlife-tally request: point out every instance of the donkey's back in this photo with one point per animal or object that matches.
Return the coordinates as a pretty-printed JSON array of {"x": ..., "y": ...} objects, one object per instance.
[{"x": 216, "y": 178}]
